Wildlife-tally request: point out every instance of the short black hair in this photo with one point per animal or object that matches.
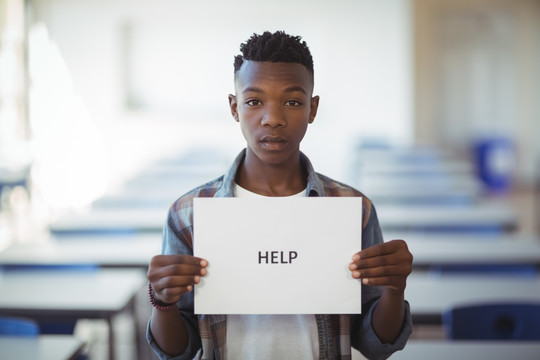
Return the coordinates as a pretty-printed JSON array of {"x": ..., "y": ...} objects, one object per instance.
[{"x": 275, "y": 47}]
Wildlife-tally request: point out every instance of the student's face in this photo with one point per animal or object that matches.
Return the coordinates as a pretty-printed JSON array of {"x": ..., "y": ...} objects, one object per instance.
[{"x": 274, "y": 105}]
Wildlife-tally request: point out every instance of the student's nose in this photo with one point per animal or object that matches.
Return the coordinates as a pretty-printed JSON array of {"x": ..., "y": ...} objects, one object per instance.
[{"x": 273, "y": 117}]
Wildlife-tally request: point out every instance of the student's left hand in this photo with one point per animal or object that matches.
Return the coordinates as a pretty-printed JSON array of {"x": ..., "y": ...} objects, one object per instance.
[{"x": 387, "y": 264}]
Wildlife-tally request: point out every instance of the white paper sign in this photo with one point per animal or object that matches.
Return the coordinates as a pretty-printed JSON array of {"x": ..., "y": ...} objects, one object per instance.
[{"x": 278, "y": 255}]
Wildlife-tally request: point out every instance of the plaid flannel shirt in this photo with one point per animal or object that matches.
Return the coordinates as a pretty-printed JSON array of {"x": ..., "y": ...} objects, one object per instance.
[{"x": 337, "y": 333}]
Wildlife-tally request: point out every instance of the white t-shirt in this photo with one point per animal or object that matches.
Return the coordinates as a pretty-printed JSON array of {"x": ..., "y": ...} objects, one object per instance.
[{"x": 268, "y": 337}]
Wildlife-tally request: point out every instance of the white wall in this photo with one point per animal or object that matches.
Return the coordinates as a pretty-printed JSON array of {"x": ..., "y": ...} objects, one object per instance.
[
  {"x": 181, "y": 64},
  {"x": 477, "y": 73}
]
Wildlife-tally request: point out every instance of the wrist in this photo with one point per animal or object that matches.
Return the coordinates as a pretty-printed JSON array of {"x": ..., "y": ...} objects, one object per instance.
[
  {"x": 394, "y": 293},
  {"x": 156, "y": 303}
]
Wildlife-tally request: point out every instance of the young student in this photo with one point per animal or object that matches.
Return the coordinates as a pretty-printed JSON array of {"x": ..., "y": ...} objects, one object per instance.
[{"x": 273, "y": 104}]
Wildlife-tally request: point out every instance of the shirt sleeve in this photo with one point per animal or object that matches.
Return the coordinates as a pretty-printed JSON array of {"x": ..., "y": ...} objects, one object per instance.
[
  {"x": 172, "y": 244},
  {"x": 363, "y": 337}
]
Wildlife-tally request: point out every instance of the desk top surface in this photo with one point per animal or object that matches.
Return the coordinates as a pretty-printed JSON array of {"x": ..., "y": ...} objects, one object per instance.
[
  {"x": 121, "y": 251},
  {"x": 430, "y": 295},
  {"x": 497, "y": 213},
  {"x": 42, "y": 347},
  {"x": 463, "y": 249},
  {"x": 468, "y": 350},
  {"x": 141, "y": 218},
  {"x": 86, "y": 293}
]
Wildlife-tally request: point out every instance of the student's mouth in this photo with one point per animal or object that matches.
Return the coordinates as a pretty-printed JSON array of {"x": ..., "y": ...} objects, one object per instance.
[{"x": 273, "y": 143}]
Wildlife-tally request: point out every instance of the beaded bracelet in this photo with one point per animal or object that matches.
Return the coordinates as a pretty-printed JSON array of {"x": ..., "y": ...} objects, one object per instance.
[{"x": 160, "y": 305}]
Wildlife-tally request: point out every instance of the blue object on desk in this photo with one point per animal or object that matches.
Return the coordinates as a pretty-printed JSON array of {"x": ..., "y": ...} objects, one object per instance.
[
  {"x": 498, "y": 321},
  {"x": 15, "y": 326},
  {"x": 494, "y": 158}
]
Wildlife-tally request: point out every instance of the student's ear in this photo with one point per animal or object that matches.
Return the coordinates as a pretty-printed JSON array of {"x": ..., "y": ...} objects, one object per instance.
[
  {"x": 233, "y": 105},
  {"x": 314, "y": 105}
]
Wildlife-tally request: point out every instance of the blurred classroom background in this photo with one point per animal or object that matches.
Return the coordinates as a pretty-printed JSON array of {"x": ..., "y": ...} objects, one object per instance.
[{"x": 110, "y": 110}]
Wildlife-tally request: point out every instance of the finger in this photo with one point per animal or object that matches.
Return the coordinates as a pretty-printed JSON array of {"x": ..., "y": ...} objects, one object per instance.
[
  {"x": 385, "y": 260},
  {"x": 175, "y": 281},
  {"x": 170, "y": 288},
  {"x": 161, "y": 260},
  {"x": 381, "y": 249},
  {"x": 159, "y": 271},
  {"x": 389, "y": 282},
  {"x": 181, "y": 269},
  {"x": 172, "y": 294},
  {"x": 382, "y": 271},
  {"x": 400, "y": 255}
]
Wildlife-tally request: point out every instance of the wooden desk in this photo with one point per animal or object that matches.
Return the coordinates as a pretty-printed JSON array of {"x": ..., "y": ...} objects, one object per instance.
[
  {"x": 419, "y": 196},
  {"x": 148, "y": 200},
  {"x": 181, "y": 183},
  {"x": 431, "y": 295},
  {"x": 493, "y": 217},
  {"x": 436, "y": 182},
  {"x": 99, "y": 294},
  {"x": 470, "y": 249},
  {"x": 403, "y": 154},
  {"x": 105, "y": 251},
  {"x": 41, "y": 347},
  {"x": 468, "y": 350},
  {"x": 449, "y": 167},
  {"x": 391, "y": 218},
  {"x": 113, "y": 220},
  {"x": 152, "y": 195}
]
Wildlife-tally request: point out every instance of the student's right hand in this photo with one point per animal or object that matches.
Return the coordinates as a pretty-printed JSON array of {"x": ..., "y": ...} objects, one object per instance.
[{"x": 174, "y": 275}]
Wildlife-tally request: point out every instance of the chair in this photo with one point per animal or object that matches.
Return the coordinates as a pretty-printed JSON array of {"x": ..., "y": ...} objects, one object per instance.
[
  {"x": 496, "y": 321},
  {"x": 15, "y": 326}
]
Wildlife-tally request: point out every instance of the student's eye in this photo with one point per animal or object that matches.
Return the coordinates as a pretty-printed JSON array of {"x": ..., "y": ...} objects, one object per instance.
[
  {"x": 253, "y": 102},
  {"x": 293, "y": 103}
]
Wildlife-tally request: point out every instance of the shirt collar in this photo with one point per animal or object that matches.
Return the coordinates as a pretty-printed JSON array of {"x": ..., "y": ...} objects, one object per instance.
[{"x": 314, "y": 184}]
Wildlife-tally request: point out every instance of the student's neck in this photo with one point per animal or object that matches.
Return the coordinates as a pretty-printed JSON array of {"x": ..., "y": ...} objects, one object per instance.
[{"x": 272, "y": 180}]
